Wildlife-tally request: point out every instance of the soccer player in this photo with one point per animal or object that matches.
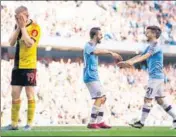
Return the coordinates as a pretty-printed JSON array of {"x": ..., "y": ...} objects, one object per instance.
[
  {"x": 26, "y": 36},
  {"x": 91, "y": 77},
  {"x": 153, "y": 54}
]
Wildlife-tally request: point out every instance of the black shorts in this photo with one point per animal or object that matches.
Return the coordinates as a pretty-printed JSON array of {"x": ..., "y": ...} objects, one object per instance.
[{"x": 23, "y": 77}]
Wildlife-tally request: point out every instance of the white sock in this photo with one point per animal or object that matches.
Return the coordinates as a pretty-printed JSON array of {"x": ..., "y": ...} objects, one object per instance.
[
  {"x": 94, "y": 114},
  {"x": 100, "y": 114},
  {"x": 145, "y": 111},
  {"x": 169, "y": 109}
]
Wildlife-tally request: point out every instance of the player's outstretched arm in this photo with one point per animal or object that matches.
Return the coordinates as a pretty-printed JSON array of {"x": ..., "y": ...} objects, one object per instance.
[
  {"x": 135, "y": 57},
  {"x": 102, "y": 52},
  {"x": 14, "y": 35},
  {"x": 139, "y": 59},
  {"x": 129, "y": 63},
  {"x": 107, "y": 52},
  {"x": 68, "y": 48}
]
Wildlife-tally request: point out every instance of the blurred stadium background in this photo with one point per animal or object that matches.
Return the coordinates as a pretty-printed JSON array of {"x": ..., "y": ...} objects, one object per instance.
[{"x": 61, "y": 95}]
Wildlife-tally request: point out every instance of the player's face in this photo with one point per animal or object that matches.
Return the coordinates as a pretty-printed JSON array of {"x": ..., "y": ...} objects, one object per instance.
[
  {"x": 149, "y": 34},
  {"x": 24, "y": 14},
  {"x": 99, "y": 36}
]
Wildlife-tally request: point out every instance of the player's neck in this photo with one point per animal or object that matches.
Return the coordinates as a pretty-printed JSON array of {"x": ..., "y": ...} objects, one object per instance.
[
  {"x": 154, "y": 40},
  {"x": 93, "y": 42}
]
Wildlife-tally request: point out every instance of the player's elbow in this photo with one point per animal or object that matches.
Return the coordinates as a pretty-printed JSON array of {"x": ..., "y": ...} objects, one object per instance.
[
  {"x": 11, "y": 43},
  {"x": 29, "y": 43}
]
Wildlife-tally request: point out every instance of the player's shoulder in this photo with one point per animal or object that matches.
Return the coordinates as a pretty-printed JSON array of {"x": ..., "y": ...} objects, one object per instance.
[
  {"x": 159, "y": 46},
  {"x": 35, "y": 24},
  {"x": 87, "y": 45},
  {"x": 156, "y": 46}
]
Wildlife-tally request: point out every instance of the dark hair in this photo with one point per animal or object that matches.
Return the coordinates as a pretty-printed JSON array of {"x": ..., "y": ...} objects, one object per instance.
[
  {"x": 94, "y": 31},
  {"x": 156, "y": 30}
]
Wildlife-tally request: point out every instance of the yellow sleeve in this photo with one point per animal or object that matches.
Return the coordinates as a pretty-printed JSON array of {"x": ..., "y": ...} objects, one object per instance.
[{"x": 35, "y": 33}]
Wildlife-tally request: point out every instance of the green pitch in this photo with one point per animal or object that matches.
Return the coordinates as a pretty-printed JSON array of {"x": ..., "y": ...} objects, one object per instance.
[{"x": 83, "y": 131}]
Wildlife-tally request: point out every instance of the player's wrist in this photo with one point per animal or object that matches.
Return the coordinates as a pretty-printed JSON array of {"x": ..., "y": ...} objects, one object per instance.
[
  {"x": 129, "y": 62},
  {"x": 111, "y": 53},
  {"x": 23, "y": 28},
  {"x": 18, "y": 29}
]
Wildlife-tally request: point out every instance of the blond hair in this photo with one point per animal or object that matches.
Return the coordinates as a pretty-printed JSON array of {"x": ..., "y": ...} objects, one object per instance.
[{"x": 21, "y": 9}]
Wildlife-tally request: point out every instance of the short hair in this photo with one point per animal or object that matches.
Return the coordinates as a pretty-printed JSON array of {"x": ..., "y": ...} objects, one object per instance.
[
  {"x": 20, "y": 9},
  {"x": 156, "y": 30},
  {"x": 94, "y": 31}
]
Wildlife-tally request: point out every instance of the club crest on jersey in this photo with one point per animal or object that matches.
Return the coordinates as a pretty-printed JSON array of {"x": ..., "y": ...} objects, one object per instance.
[{"x": 34, "y": 33}]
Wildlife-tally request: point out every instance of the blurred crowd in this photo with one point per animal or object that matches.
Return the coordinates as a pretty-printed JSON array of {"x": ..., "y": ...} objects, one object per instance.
[
  {"x": 119, "y": 20},
  {"x": 62, "y": 97}
]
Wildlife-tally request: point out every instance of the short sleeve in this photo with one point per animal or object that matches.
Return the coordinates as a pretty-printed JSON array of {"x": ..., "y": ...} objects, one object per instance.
[
  {"x": 153, "y": 50},
  {"x": 35, "y": 33},
  {"x": 89, "y": 49}
]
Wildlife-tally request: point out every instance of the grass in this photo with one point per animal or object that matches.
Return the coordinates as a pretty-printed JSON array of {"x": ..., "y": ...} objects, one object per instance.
[{"x": 83, "y": 131}]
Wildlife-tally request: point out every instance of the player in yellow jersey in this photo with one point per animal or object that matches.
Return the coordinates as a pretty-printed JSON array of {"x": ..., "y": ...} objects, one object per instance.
[{"x": 26, "y": 36}]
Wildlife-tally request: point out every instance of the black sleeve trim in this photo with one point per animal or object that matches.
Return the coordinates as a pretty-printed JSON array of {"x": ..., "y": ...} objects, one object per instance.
[{"x": 33, "y": 39}]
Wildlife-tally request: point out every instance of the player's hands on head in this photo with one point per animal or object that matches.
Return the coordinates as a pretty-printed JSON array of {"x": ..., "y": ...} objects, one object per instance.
[
  {"x": 117, "y": 57},
  {"x": 125, "y": 64},
  {"x": 21, "y": 20},
  {"x": 16, "y": 19}
]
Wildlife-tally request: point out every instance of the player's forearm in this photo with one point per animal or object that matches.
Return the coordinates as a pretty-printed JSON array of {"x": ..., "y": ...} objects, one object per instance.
[
  {"x": 139, "y": 59},
  {"x": 134, "y": 58},
  {"x": 69, "y": 49},
  {"x": 102, "y": 52},
  {"x": 29, "y": 42},
  {"x": 14, "y": 37}
]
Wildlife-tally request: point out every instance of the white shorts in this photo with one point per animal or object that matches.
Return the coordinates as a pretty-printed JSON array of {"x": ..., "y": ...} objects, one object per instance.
[
  {"x": 155, "y": 88},
  {"x": 95, "y": 89}
]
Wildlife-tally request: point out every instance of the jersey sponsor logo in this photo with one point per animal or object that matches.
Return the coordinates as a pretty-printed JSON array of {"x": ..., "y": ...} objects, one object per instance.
[{"x": 34, "y": 33}]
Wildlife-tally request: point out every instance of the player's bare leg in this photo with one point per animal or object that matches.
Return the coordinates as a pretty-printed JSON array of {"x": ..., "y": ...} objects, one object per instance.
[
  {"x": 31, "y": 107},
  {"x": 16, "y": 102},
  {"x": 145, "y": 111},
  {"x": 168, "y": 108}
]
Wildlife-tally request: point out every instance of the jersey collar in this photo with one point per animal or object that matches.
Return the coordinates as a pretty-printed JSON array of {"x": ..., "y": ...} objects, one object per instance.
[
  {"x": 29, "y": 23},
  {"x": 153, "y": 44}
]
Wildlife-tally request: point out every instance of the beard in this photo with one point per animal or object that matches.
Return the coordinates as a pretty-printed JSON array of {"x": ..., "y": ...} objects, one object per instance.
[
  {"x": 98, "y": 41},
  {"x": 149, "y": 39}
]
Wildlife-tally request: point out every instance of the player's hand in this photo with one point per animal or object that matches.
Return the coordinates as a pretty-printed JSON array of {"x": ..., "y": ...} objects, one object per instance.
[
  {"x": 21, "y": 21},
  {"x": 125, "y": 64},
  {"x": 117, "y": 56},
  {"x": 16, "y": 19}
]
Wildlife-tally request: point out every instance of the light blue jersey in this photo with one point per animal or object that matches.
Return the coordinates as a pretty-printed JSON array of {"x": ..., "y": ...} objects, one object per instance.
[
  {"x": 90, "y": 64},
  {"x": 155, "y": 61}
]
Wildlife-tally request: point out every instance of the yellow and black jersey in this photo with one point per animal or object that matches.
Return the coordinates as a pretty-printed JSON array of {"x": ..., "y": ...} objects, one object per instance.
[{"x": 26, "y": 58}]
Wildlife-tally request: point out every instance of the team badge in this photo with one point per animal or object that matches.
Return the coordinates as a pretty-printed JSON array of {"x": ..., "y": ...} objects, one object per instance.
[{"x": 34, "y": 33}]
